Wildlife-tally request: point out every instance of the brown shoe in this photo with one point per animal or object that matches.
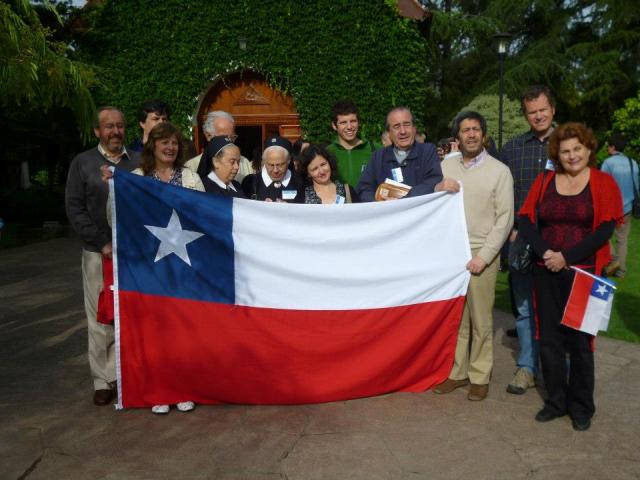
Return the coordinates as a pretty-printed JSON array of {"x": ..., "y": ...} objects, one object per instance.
[
  {"x": 449, "y": 385},
  {"x": 478, "y": 392},
  {"x": 102, "y": 397}
]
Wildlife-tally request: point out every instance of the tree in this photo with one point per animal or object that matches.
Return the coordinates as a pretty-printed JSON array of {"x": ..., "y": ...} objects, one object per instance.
[
  {"x": 513, "y": 122},
  {"x": 626, "y": 120},
  {"x": 585, "y": 50},
  {"x": 36, "y": 72}
]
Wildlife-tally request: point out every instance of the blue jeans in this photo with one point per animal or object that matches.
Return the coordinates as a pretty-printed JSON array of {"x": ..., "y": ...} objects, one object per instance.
[{"x": 522, "y": 289}]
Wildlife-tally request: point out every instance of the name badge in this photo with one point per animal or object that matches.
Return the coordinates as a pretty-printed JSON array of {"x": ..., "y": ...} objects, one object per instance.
[
  {"x": 289, "y": 194},
  {"x": 396, "y": 173},
  {"x": 550, "y": 165},
  {"x": 340, "y": 199}
]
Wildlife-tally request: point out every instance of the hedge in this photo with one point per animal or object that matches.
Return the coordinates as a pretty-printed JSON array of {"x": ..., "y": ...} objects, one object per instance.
[{"x": 317, "y": 51}]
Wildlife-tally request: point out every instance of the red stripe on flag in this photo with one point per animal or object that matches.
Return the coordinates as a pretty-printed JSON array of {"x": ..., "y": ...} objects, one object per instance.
[
  {"x": 577, "y": 301},
  {"x": 173, "y": 350}
]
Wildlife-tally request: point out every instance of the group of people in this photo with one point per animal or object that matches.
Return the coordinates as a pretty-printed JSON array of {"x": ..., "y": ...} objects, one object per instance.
[
  {"x": 567, "y": 210},
  {"x": 545, "y": 187}
]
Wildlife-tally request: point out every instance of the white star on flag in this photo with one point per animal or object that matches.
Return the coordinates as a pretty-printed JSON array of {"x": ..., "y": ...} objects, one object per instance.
[
  {"x": 601, "y": 290},
  {"x": 173, "y": 239}
]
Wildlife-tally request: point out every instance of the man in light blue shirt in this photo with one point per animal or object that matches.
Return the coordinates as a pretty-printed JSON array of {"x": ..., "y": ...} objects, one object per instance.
[{"x": 625, "y": 172}]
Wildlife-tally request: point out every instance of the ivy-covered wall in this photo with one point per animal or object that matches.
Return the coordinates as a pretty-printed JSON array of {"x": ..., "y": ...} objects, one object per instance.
[{"x": 318, "y": 51}]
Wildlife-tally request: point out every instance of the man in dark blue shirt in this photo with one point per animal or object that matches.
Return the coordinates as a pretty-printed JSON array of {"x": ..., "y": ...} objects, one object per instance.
[{"x": 405, "y": 161}]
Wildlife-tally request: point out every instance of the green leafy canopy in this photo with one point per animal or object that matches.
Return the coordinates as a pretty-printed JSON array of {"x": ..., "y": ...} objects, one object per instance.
[
  {"x": 318, "y": 51},
  {"x": 34, "y": 69}
]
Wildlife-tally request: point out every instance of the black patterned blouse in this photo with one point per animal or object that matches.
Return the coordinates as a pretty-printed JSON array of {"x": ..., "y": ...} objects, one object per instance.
[{"x": 310, "y": 195}]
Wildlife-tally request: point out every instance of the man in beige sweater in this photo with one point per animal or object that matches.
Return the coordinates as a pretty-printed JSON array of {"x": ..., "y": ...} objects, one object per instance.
[{"x": 487, "y": 187}]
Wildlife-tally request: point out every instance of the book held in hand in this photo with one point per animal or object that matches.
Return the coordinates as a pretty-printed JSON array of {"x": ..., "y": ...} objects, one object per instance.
[{"x": 391, "y": 189}]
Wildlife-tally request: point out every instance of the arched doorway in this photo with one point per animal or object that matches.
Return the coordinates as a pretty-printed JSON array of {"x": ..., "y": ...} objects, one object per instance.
[{"x": 259, "y": 111}]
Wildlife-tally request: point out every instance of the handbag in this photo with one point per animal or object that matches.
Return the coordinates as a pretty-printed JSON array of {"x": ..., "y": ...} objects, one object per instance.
[
  {"x": 635, "y": 205},
  {"x": 520, "y": 251},
  {"x": 520, "y": 255}
]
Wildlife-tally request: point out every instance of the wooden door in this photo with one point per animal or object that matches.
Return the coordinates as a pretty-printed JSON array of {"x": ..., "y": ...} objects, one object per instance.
[{"x": 259, "y": 111}]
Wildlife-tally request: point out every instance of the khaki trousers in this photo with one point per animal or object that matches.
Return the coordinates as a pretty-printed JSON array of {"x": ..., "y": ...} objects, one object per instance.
[
  {"x": 101, "y": 337},
  {"x": 622, "y": 235},
  {"x": 474, "y": 350}
]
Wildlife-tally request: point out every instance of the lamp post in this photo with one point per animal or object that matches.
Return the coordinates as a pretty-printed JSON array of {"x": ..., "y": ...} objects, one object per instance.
[{"x": 502, "y": 39}]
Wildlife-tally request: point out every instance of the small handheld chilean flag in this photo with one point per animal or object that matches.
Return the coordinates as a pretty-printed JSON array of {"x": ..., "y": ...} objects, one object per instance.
[{"x": 589, "y": 306}]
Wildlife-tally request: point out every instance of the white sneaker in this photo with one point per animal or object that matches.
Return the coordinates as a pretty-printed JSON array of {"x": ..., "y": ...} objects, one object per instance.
[
  {"x": 160, "y": 409},
  {"x": 185, "y": 406}
]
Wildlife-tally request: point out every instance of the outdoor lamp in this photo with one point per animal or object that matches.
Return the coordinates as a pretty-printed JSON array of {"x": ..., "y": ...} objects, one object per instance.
[{"x": 502, "y": 38}]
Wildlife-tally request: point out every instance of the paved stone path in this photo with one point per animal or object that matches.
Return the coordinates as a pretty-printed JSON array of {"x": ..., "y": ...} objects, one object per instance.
[{"x": 49, "y": 429}]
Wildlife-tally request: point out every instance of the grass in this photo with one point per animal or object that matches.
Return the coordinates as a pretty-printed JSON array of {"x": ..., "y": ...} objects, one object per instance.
[{"x": 625, "y": 316}]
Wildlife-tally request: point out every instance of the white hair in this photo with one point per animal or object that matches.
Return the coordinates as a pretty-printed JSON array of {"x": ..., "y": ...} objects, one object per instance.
[
  {"x": 208, "y": 127},
  {"x": 274, "y": 147}
]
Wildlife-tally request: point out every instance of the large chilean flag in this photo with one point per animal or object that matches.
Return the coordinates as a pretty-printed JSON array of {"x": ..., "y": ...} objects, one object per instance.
[{"x": 238, "y": 301}]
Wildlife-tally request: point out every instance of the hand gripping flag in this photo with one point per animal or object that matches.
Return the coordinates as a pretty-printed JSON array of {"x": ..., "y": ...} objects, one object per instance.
[
  {"x": 238, "y": 301},
  {"x": 589, "y": 305}
]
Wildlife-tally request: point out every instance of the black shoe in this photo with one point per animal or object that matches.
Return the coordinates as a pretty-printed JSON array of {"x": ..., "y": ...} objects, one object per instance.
[
  {"x": 511, "y": 332},
  {"x": 102, "y": 397},
  {"x": 580, "y": 424},
  {"x": 547, "y": 414}
]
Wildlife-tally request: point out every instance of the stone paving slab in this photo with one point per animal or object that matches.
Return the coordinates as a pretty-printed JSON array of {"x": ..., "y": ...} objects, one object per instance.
[{"x": 49, "y": 428}]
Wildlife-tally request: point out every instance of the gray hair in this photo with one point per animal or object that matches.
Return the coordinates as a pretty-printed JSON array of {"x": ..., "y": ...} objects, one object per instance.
[
  {"x": 394, "y": 110},
  {"x": 208, "y": 127},
  {"x": 274, "y": 147}
]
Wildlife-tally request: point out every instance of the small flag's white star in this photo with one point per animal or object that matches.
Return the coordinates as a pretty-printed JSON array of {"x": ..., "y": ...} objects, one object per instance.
[
  {"x": 601, "y": 290},
  {"x": 173, "y": 239}
]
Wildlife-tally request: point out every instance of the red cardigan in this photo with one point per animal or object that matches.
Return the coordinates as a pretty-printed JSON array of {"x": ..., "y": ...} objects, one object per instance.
[{"x": 607, "y": 206}]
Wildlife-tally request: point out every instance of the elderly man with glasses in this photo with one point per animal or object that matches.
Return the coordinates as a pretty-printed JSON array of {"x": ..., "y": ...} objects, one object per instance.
[{"x": 405, "y": 161}]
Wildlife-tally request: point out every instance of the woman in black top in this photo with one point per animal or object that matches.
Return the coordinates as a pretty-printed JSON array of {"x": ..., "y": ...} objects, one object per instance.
[
  {"x": 577, "y": 209},
  {"x": 320, "y": 170}
]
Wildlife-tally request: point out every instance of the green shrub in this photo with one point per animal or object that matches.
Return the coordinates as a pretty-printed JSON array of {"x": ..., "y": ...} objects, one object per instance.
[
  {"x": 513, "y": 121},
  {"x": 626, "y": 120},
  {"x": 318, "y": 51}
]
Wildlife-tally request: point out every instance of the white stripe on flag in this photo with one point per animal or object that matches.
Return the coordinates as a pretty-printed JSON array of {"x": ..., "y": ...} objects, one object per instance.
[
  {"x": 337, "y": 257},
  {"x": 604, "y": 324},
  {"x": 593, "y": 315}
]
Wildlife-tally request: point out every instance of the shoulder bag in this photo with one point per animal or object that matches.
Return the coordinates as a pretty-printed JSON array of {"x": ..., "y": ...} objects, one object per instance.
[
  {"x": 520, "y": 251},
  {"x": 635, "y": 206}
]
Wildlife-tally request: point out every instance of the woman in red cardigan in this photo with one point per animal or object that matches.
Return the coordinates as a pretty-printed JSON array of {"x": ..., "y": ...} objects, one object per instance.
[{"x": 577, "y": 208}]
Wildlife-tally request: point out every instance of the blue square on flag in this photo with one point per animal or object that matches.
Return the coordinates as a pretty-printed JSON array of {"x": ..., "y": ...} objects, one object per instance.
[
  {"x": 165, "y": 248},
  {"x": 601, "y": 290}
]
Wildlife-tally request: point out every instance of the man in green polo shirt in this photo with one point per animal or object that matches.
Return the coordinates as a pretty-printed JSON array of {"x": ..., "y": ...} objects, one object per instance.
[{"x": 352, "y": 153}]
